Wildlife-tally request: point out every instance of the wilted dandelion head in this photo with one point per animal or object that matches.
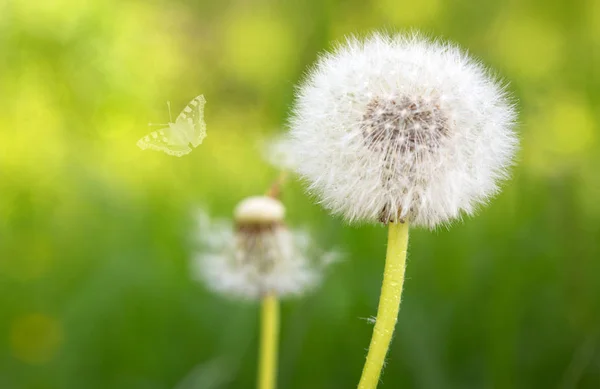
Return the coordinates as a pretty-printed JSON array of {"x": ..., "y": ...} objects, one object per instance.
[
  {"x": 257, "y": 254},
  {"x": 401, "y": 128}
]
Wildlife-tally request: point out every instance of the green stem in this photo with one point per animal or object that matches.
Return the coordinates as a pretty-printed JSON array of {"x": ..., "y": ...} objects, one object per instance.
[
  {"x": 389, "y": 305},
  {"x": 269, "y": 334}
]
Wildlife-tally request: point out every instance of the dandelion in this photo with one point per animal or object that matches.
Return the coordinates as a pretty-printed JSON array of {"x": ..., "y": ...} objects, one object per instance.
[
  {"x": 259, "y": 258},
  {"x": 258, "y": 255},
  {"x": 400, "y": 130}
]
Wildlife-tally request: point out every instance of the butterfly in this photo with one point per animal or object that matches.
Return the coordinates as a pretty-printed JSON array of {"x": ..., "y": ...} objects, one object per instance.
[{"x": 175, "y": 138}]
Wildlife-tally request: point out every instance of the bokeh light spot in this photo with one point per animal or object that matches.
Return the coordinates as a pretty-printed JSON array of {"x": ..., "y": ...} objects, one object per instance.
[
  {"x": 560, "y": 135},
  {"x": 527, "y": 47},
  {"x": 571, "y": 125},
  {"x": 259, "y": 48},
  {"x": 35, "y": 338}
]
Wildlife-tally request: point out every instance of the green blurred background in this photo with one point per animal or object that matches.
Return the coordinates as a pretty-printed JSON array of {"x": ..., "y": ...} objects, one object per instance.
[{"x": 95, "y": 288}]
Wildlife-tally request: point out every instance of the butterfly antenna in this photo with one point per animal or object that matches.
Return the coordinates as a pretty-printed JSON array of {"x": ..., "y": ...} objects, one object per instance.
[{"x": 170, "y": 117}]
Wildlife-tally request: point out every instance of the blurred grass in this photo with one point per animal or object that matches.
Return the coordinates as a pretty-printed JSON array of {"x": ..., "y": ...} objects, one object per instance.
[{"x": 95, "y": 290}]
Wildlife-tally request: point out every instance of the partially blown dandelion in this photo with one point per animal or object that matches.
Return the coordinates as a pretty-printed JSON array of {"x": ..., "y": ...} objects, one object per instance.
[
  {"x": 400, "y": 130},
  {"x": 258, "y": 257},
  {"x": 258, "y": 254}
]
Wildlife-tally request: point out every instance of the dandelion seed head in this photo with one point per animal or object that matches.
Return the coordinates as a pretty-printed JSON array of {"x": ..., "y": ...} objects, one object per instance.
[
  {"x": 256, "y": 253},
  {"x": 394, "y": 128}
]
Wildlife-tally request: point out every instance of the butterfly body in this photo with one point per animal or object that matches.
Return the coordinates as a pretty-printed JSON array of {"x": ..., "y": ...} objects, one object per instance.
[{"x": 175, "y": 139}]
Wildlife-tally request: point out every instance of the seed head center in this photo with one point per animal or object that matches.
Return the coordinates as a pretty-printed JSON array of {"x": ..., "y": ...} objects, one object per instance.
[
  {"x": 404, "y": 124},
  {"x": 404, "y": 131}
]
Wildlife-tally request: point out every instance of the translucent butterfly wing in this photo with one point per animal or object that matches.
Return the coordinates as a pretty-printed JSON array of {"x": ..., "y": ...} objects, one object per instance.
[
  {"x": 189, "y": 127},
  {"x": 163, "y": 140},
  {"x": 191, "y": 120}
]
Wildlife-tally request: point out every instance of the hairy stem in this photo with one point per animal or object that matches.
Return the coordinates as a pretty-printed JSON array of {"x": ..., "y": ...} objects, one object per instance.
[
  {"x": 389, "y": 304},
  {"x": 269, "y": 335}
]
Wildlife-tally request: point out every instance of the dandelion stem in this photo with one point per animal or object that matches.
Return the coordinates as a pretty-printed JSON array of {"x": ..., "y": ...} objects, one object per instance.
[
  {"x": 389, "y": 305},
  {"x": 275, "y": 189},
  {"x": 267, "y": 368}
]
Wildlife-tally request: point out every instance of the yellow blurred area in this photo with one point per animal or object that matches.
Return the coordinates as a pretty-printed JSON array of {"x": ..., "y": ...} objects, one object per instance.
[
  {"x": 33, "y": 142},
  {"x": 406, "y": 13},
  {"x": 561, "y": 134},
  {"x": 134, "y": 56},
  {"x": 35, "y": 338},
  {"x": 259, "y": 47},
  {"x": 40, "y": 131},
  {"x": 527, "y": 47},
  {"x": 139, "y": 37},
  {"x": 42, "y": 17}
]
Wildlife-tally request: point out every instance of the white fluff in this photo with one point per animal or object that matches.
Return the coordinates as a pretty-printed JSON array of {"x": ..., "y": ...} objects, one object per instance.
[
  {"x": 401, "y": 128},
  {"x": 249, "y": 264}
]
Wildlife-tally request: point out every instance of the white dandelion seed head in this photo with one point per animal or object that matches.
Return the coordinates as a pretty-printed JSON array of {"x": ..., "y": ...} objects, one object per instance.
[
  {"x": 257, "y": 253},
  {"x": 402, "y": 128}
]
